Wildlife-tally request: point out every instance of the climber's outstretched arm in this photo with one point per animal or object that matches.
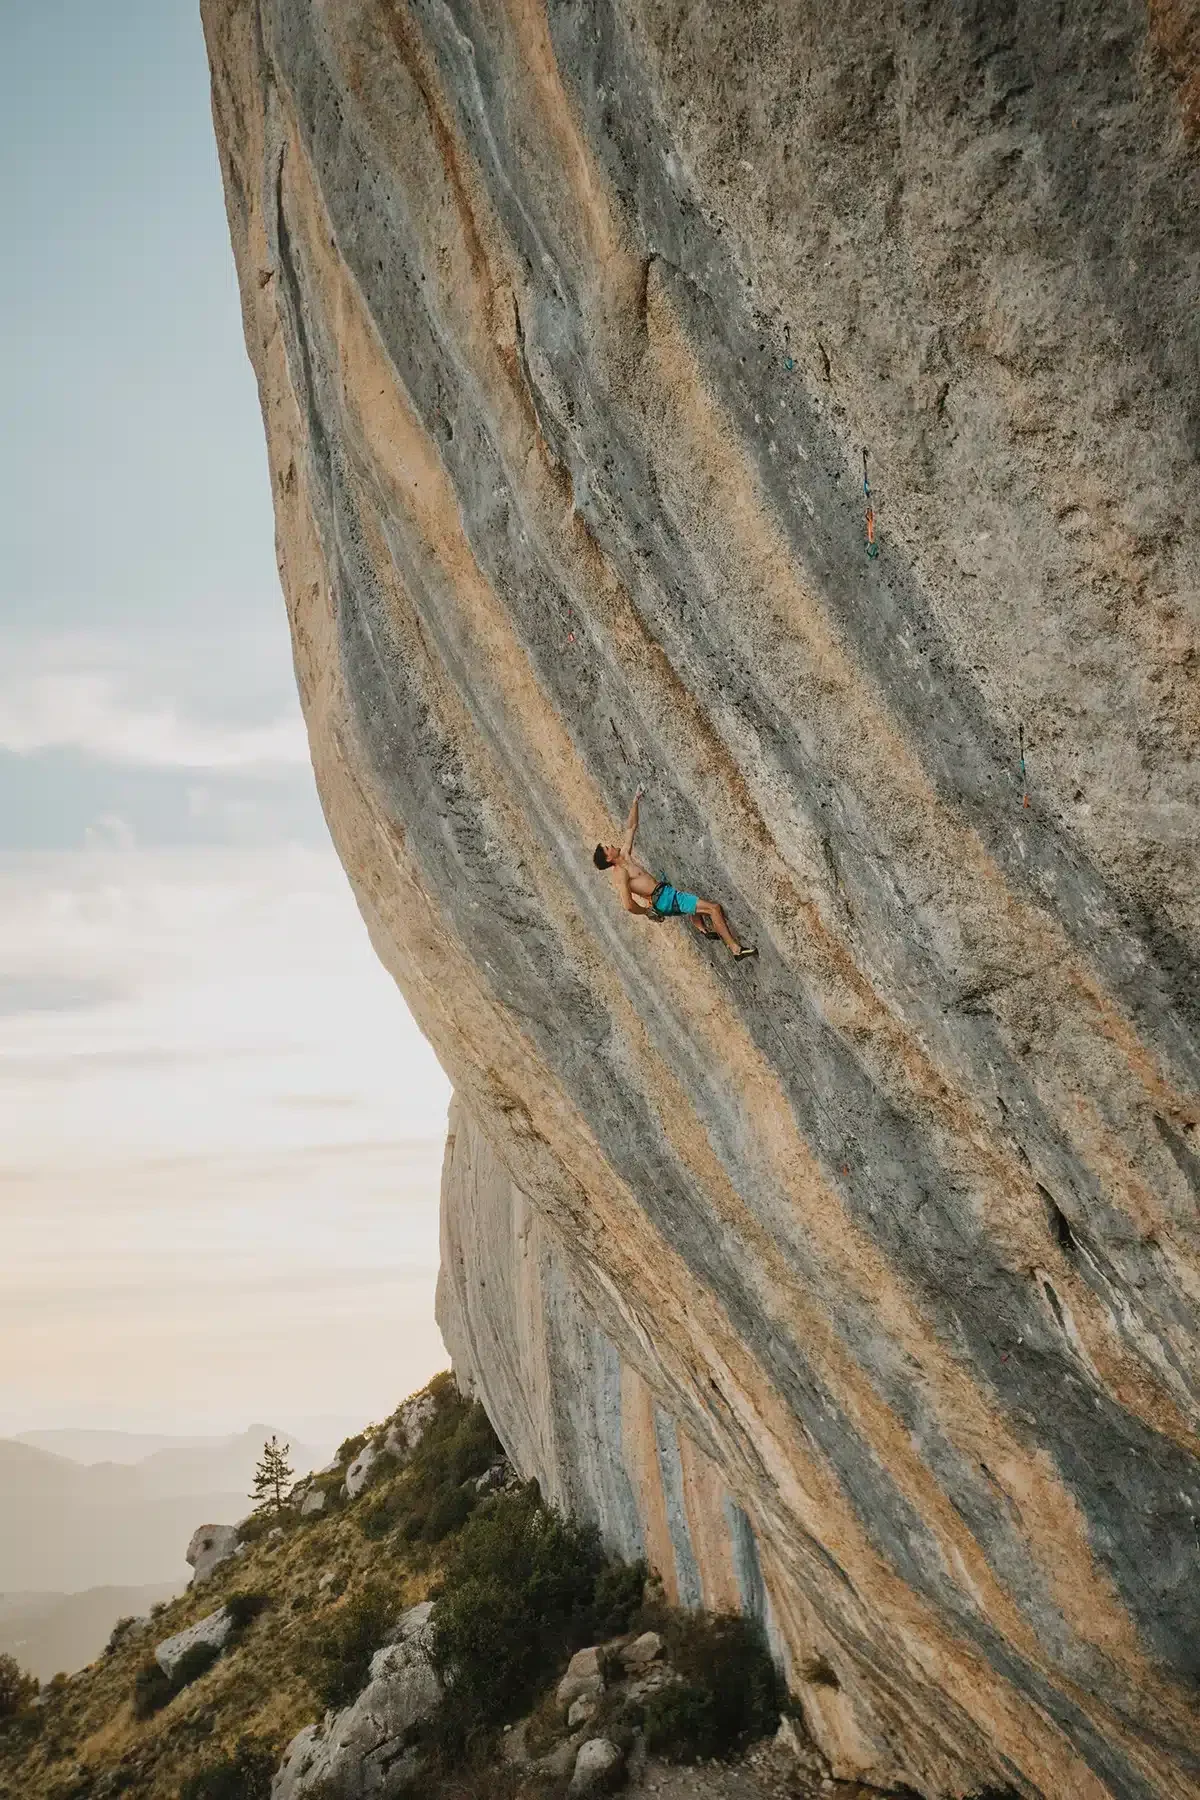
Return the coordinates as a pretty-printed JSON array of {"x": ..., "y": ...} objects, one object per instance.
[{"x": 631, "y": 825}]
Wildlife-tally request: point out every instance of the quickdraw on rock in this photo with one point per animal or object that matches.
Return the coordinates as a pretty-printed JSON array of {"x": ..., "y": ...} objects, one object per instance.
[
  {"x": 788, "y": 363},
  {"x": 872, "y": 546}
]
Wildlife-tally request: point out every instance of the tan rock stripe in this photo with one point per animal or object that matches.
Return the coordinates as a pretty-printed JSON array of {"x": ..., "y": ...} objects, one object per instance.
[
  {"x": 704, "y": 1494},
  {"x": 1094, "y": 1323},
  {"x": 802, "y": 652},
  {"x": 639, "y": 1438},
  {"x": 511, "y": 660}
]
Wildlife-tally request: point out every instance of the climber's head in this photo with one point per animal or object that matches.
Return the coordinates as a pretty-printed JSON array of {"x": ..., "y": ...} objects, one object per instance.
[{"x": 605, "y": 855}]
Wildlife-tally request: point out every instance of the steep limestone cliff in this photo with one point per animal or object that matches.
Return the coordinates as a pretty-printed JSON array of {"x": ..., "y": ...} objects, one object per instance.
[{"x": 865, "y": 1277}]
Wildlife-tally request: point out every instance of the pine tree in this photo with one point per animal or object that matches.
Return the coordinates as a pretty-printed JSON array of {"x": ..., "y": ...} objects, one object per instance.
[
  {"x": 272, "y": 1477},
  {"x": 17, "y": 1688}
]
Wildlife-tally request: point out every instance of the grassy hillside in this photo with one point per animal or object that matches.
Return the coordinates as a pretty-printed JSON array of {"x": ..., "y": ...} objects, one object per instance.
[
  {"x": 519, "y": 1589},
  {"x": 86, "y": 1738}
]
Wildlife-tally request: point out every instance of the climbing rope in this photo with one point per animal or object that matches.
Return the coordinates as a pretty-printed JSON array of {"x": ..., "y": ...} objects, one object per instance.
[{"x": 872, "y": 546}]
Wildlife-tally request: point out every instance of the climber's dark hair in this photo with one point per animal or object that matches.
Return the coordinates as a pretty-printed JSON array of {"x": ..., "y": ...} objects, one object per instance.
[{"x": 600, "y": 857}]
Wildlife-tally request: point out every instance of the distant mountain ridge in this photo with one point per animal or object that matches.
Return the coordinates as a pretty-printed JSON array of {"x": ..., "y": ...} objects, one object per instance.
[
  {"x": 49, "y": 1632},
  {"x": 84, "y": 1445},
  {"x": 67, "y": 1526}
]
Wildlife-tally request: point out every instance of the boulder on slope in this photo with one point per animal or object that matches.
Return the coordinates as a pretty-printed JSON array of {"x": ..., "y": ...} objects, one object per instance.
[
  {"x": 363, "y": 1752},
  {"x": 210, "y": 1546},
  {"x": 214, "y": 1630}
]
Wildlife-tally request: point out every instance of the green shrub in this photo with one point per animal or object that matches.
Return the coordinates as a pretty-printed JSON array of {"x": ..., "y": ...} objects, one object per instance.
[
  {"x": 17, "y": 1688},
  {"x": 244, "y": 1608},
  {"x": 435, "y": 1493},
  {"x": 729, "y": 1693},
  {"x": 193, "y": 1664},
  {"x": 379, "y": 1516},
  {"x": 519, "y": 1594},
  {"x": 255, "y": 1526},
  {"x": 119, "y": 1633},
  {"x": 448, "y": 1509},
  {"x": 349, "y": 1448},
  {"x": 152, "y": 1689},
  {"x": 337, "y": 1659},
  {"x": 246, "y": 1775},
  {"x": 619, "y": 1590}
]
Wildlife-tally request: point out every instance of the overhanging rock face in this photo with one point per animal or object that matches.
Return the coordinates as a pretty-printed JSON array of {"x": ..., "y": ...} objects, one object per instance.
[
  {"x": 572, "y": 1412},
  {"x": 571, "y": 322}
]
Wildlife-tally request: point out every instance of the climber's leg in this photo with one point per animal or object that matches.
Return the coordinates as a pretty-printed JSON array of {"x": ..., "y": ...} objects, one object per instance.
[{"x": 714, "y": 913}]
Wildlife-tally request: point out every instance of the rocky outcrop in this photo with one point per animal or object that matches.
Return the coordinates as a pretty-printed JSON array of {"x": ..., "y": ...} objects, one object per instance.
[
  {"x": 596, "y": 1767},
  {"x": 366, "y": 1751},
  {"x": 571, "y": 1409},
  {"x": 398, "y": 1439},
  {"x": 212, "y": 1632},
  {"x": 210, "y": 1546},
  {"x": 571, "y": 323}
]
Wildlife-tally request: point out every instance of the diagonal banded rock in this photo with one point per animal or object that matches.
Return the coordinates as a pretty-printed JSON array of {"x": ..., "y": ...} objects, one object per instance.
[{"x": 864, "y": 1275}]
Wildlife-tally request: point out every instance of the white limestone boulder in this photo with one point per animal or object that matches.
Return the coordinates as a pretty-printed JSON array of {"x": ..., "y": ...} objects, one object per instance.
[
  {"x": 410, "y": 1424},
  {"x": 597, "y": 1767},
  {"x": 359, "y": 1472},
  {"x": 411, "y": 1627},
  {"x": 643, "y": 1651},
  {"x": 210, "y": 1546},
  {"x": 583, "y": 1679},
  {"x": 214, "y": 1630},
  {"x": 362, "y": 1752}
]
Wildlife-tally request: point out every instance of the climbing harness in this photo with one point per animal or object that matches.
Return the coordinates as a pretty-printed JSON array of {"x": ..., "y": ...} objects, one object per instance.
[
  {"x": 872, "y": 546},
  {"x": 1024, "y": 776}
]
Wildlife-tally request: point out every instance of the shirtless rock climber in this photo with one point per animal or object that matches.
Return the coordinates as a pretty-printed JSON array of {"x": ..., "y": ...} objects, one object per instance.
[{"x": 641, "y": 893}]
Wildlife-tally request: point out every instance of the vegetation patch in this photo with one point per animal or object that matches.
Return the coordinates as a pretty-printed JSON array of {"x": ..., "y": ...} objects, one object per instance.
[
  {"x": 243, "y": 1775},
  {"x": 337, "y": 1657},
  {"x": 119, "y": 1633},
  {"x": 435, "y": 1493},
  {"x": 728, "y": 1694},
  {"x": 243, "y": 1608},
  {"x": 153, "y": 1688},
  {"x": 17, "y": 1689},
  {"x": 523, "y": 1588},
  {"x": 519, "y": 1589}
]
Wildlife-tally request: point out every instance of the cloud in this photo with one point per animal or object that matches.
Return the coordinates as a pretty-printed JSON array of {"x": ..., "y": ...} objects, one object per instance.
[
  {"x": 92, "y": 711},
  {"x": 23, "y": 994},
  {"x": 224, "y": 999},
  {"x": 66, "y": 800}
]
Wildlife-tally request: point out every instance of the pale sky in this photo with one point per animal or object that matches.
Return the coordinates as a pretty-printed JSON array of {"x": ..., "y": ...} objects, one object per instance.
[{"x": 220, "y": 1131}]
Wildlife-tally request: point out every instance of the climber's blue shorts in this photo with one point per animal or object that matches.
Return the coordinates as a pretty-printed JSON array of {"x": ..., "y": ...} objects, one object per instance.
[{"x": 670, "y": 902}]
